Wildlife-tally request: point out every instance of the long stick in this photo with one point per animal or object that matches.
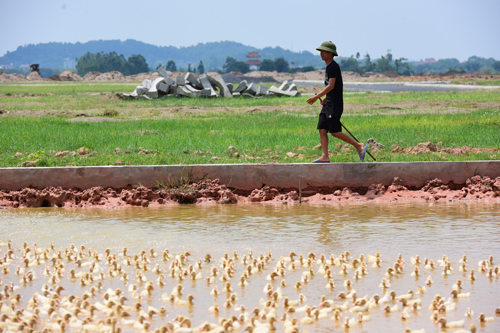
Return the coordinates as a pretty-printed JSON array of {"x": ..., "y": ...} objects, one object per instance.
[
  {"x": 300, "y": 192},
  {"x": 356, "y": 140},
  {"x": 321, "y": 100}
]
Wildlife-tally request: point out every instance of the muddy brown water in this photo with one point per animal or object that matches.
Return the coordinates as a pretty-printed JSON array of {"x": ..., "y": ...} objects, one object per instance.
[{"x": 429, "y": 230}]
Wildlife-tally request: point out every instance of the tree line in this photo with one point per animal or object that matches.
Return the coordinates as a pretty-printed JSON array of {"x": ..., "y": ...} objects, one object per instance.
[
  {"x": 404, "y": 67},
  {"x": 213, "y": 54},
  {"x": 108, "y": 62}
]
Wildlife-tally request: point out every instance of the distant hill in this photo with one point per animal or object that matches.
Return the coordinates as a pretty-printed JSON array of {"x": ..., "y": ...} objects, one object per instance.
[{"x": 213, "y": 55}]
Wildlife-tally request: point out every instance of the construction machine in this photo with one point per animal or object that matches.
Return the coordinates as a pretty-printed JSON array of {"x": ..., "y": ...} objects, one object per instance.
[{"x": 35, "y": 68}]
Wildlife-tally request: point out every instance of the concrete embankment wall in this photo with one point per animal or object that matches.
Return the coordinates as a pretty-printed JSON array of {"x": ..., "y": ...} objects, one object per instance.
[{"x": 250, "y": 176}]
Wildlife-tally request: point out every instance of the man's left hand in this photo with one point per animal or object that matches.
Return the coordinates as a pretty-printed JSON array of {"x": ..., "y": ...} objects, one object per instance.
[{"x": 313, "y": 100}]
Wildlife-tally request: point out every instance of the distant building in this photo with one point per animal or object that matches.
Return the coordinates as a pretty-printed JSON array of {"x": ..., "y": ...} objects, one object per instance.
[
  {"x": 68, "y": 63},
  {"x": 254, "y": 61},
  {"x": 426, "y": 61},
  {"x": 7, "y": 66},
  {"x": 25, "y": 66}
]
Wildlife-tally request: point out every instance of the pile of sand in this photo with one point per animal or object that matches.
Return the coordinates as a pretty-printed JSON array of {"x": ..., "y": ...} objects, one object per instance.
[
  {"x": 110, "y": 76},
  {"x": 143, "y": 76},
  {"x": 90, "y": 76},
  {"x": 280, "y": 77},
  {"x": 55, "y": 77},
  {"x": 34, "y": 77},
  {"x": 15, "y": 77},
  {"x": 70, "y": 76}
]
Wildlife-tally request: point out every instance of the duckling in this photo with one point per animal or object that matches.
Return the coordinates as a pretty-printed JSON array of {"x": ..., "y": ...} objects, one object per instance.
[
  {"x": 290, "y": 257},
  {"x": 429, "y": 281},
  {"x": 343, "y": 270},
  {"x": 407, "y": 296},
  {"x": 390, "y": 271},
  {"x": 443, "y": 260},
  {"x": 177, "y": 291},
  {"x": 430, "y": 265},
  {"x": 188, "y": 302},
  {"x": 456, "y": 294},
  {"x": 362, "y": 307},
  {"x": 472, "y": 277},
  {"x": 394, "y": 308},
  {"x": 343, "y": 307},
  {"x": 435, "y": 316},
  {"x": 384, "y": 284},
  {"x": 310, "y": 320},
  {"x": 458, "y": 285},
  {"x": 483, "y": 319},
  {"x": 388, "y": 297},
  {"x": 416, "y": 272},
  {"x": 410, "y": 303},
  {"x": 421, "y": 290},
  {"x": 227, "y": 287},
  {"x": 377, "y": 263},
  {"x": 469, "y": 312},
  {"x": 415, "y": 260},
  {"x": 463, "y": 267},
  {"x": 453, "y": 324},
  {"x": 272, "y": 276}
]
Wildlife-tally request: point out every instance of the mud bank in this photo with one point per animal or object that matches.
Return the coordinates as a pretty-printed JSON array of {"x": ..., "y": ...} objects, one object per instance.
[{"x": 212, "y": 192}]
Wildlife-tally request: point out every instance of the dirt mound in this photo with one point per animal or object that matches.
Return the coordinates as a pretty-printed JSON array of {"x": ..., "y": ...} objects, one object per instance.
[
  {"x": 34, "y": 77},
  {"x": 142, "y": 76},
  {"x": 15, "y": 77},
  {"x": 110, "y": 76},
  {"x": 55, "y": 77},
  {"x": 203, "y": 191},
  {"x": 391, "y": 74},
  {"x": 429, "y": 147},
  {"x": 482, "y": 73},
  {"x": 70, "y": 76},
  {"x": 269, "y": 194},
  {"x": 90, "y": 76},
  {"x": 280, "y": 77}
]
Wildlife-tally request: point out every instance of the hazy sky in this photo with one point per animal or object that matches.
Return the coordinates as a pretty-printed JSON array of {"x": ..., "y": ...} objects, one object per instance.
[{"x": 413, "y": 29}]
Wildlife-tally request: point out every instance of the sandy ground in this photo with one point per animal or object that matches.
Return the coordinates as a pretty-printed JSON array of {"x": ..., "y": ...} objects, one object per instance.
[
  {"x": 211, "y": 192},
  {"x": 470, "y": 78}
]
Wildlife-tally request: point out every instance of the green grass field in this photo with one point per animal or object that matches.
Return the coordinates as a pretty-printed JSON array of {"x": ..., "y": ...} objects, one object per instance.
[{"x": 285, "y": 135}]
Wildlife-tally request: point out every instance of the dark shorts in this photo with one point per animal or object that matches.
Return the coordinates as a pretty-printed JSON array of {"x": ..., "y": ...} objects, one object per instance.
[{"x": 330, "y": 124}]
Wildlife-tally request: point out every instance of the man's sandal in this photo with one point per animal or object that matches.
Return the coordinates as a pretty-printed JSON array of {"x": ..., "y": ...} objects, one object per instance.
[
  {"x": 363, "y": 153},
  {"x": 319, "y": 161}
]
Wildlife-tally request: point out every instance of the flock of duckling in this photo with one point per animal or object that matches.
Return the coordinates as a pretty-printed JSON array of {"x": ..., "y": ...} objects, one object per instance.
[{"x": 283, "y": 307}]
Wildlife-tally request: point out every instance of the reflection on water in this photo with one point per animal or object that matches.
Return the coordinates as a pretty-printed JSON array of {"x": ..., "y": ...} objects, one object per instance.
[
  {"x": 394, "y": 228},
  {"x": 429, "y": 230}
]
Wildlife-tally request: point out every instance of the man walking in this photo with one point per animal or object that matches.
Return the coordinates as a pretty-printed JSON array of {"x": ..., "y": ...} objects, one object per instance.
[{"x": 333, "y": 105}]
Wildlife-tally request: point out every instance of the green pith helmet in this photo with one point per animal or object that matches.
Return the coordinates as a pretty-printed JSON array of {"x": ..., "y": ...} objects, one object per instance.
[{"x": 328, "y": 47}]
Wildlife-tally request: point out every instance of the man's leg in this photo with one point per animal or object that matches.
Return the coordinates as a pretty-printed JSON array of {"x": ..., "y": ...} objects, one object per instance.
[
  {"x": 323, "y": 136},
  {"x": 346, "y": 138}
]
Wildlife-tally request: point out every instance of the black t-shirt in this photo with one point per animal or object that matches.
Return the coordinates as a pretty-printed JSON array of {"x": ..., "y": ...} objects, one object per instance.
[{"x": 335, "y": 96}]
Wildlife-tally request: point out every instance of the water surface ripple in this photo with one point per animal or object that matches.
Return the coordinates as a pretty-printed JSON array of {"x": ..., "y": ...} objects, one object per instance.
[{"x": 427, "y": 229}]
